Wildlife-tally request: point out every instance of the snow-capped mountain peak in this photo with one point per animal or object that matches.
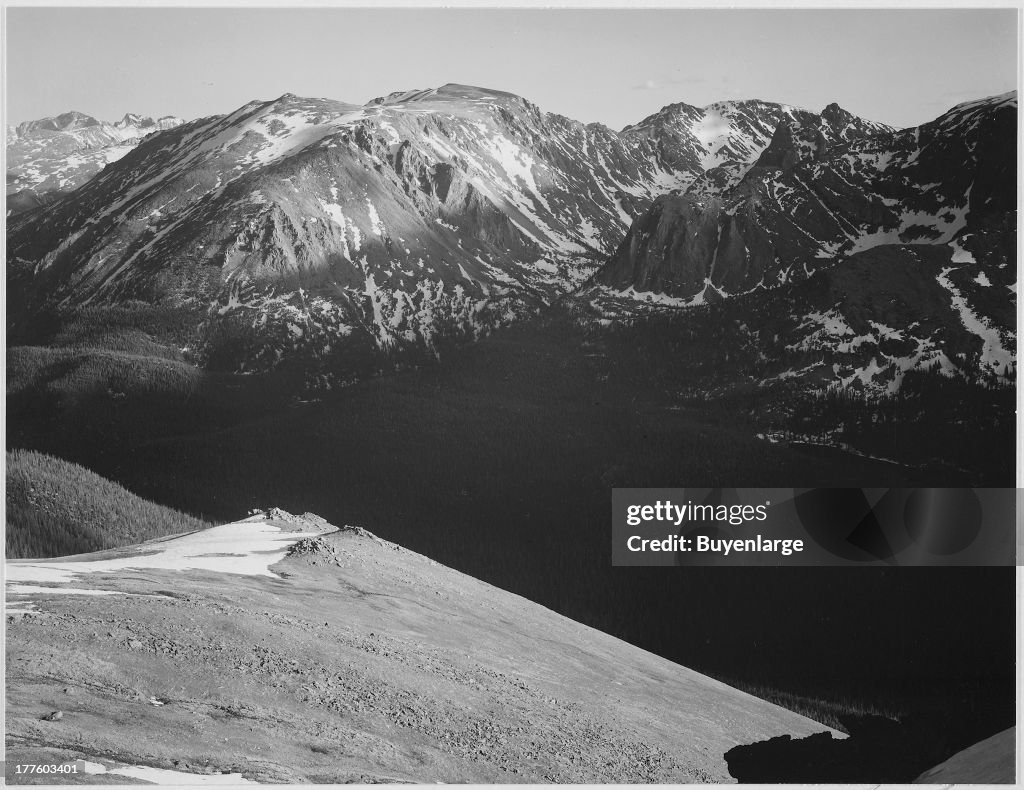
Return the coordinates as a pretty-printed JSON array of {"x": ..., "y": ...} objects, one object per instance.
[{"x": 51, "y": 156}]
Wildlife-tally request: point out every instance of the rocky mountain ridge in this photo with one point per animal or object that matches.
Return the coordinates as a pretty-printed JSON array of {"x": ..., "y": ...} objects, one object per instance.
[
  {"x": 822, "y": 198},
  {"x": 722, "y": 141},
  {"x": 51, "y": 156},
  {"x": 90, "y": 130},
  {"x": 818, "y": 192},
  {"x": 316, "y": 225}
]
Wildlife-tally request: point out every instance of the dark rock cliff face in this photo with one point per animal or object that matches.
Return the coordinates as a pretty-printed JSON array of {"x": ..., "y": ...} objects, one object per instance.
[
  {"x": 677, "y": 245},
  {"x": 795, "y": 142},
  {"x": 803, "y": 137}
]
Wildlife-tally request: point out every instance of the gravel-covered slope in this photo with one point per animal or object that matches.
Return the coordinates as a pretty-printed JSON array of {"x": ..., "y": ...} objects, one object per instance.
[
  {"x": 352, "y": 660},
  {"x": 992, "y": 761}
]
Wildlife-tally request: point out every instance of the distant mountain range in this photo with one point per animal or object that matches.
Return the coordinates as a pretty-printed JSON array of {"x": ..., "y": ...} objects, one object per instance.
[
  {"x": 309, "y": 227},
  {"x": 51, "y": 156}
]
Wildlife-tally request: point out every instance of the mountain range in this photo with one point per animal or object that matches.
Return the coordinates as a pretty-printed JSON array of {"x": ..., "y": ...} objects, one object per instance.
[
  {"x": 51, "y": 156},
  {"x": 325, "y": 223},
  {"x": 925, "y": 215},
  {"x": 335, "y": 238}
]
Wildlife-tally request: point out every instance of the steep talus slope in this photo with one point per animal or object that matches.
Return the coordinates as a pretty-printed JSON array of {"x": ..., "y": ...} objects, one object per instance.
[
  {"x": 310, "y": 225},
  {"x": 51, "y": 156},
  {"x": 823, "y": 188},
  {"x": 352, "y": 660}
]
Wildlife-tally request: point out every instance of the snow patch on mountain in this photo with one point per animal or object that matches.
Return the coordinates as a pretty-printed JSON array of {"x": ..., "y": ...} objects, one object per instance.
[
  {"x": 247, "y": 547},
  {"x": 994, "y": 355},
  {"x": 161, "y": 776}
]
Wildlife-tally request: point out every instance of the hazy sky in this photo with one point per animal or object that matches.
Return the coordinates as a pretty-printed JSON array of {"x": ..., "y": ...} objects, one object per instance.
[{"x": 901, "y": 67}]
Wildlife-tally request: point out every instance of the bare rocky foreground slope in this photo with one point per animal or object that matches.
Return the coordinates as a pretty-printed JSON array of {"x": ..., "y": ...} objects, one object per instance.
[{"x": 353, "y": 659}]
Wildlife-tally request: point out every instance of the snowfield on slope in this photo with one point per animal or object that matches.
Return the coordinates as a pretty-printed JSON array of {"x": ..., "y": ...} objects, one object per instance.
[
  {"x": 160, "y": 776},
  {"x": 247, "y": 547}
]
